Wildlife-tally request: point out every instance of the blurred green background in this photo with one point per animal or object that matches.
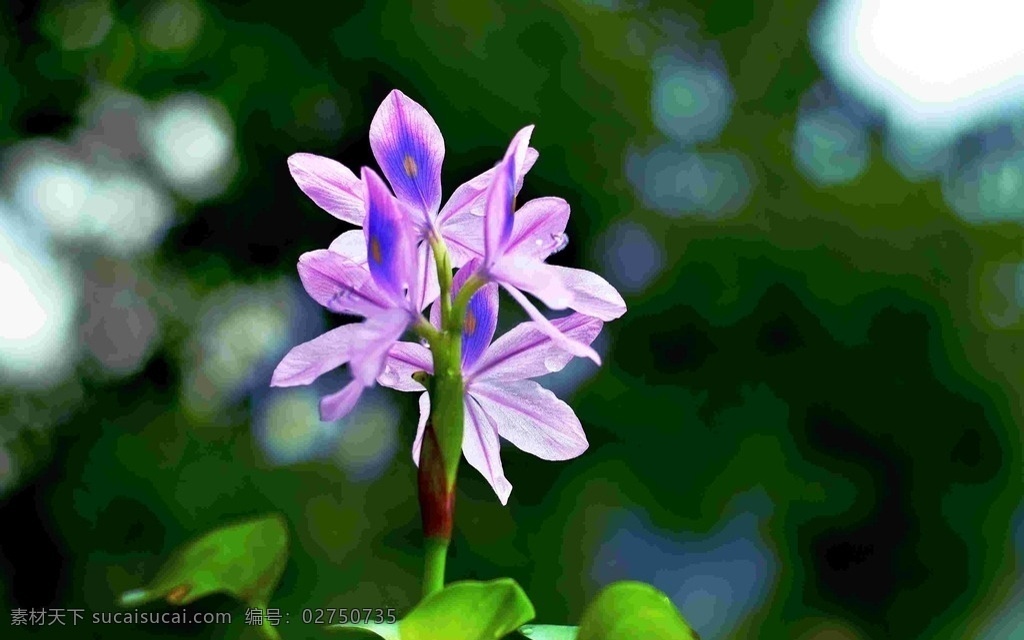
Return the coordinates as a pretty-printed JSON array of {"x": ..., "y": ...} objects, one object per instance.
[{"x": 807, "y": 425}]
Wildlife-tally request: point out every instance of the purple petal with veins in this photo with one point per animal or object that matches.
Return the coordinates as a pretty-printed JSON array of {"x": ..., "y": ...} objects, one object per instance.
[
  {"x": 527, "y": 352},
  {"x": 410, "y": 151},
  {"x": 309, "y": 360},
  {"x": 532, "y": 418},
  {"x": 482, "y": 448},
  {"x": 390, "y": 248},
  {"x": 340, "y": 285},
  {"x": 339, "y": 404},
  {"x": 330, "y": 185},
  {"x": 500, "y": 198}
]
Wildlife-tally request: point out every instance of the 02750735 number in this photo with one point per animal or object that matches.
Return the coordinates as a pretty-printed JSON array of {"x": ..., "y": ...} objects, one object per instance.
[{"x": 368, "y": 615}]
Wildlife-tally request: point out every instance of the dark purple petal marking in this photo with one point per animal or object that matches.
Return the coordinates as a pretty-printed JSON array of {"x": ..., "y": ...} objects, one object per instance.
[
  {"x": 481, "y": 316},
  {"x": 410, "y": 151},
  {"x": 390, "y": 250}
]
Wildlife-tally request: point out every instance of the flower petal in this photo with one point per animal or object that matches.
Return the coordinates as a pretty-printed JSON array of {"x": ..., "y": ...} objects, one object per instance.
[
  {"x": 410, "y": 150},
  {"x": 591, "y": 294},
  {"x": 310, "y": 360},
  {"x": 463, "y": 234},
  {"x": 533, "y": 419},
  {"x": 500, "y": 197},
  {"x": 539, "y": 228},
  {"x": 429, "y": 288},
  {"x": 352, "y": 245},
  {"x": 527, "y": 352},
  {"x": 405, "y": 359},
  {"x": 374, "y": 339},
  {"x": 482, "y": 448},
  {"x": 468, "y": 198},
  {"x": 390, "y": 250},
  {"x": 340, "y": 285},
  {"x": 561, "y": 340},
  {"x": 330, "y": 185},
  {"x": 535, "y": 277},
  {"x": 421, "y": 427},
  {"x": 481, "y": 316},
  {"x": 339, "y": 404}
]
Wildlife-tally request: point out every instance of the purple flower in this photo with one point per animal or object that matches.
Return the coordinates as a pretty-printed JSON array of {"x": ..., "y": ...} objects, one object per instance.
[
  {"x": 500, "y": 397},
  {"x": 386, "y": 290},
  {"x": 515, "y": 247},
  {"x": 408, "y": 146}
]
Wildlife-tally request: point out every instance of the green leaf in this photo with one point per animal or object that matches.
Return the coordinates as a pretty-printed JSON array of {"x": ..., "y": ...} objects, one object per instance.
[
  {"x": 244, "y": 560},
  {"x": 549, "y": 632},
  {"x": 626, "y": 610},
  {"x": 461, "y": 611},
  {"x": 369, "y": 630}
]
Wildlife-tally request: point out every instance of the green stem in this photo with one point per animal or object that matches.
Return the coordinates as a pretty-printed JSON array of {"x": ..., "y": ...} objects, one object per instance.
[
  {"x": 267, "y": 630},
  {"x": 442, "y": 440},
  {"x": 443, "y": 262},
  {"x": 439, "y": 457},
  {"x": 458, "y": 310},
  {"x": 436, "y": 550}
]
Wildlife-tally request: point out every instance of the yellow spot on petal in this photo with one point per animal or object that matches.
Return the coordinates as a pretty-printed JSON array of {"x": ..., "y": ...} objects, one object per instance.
[
  {"x": 375, "y": 250},
  {"x": 178, "y": 593},
  {"x": 410, "y": 166},
  {"x": 470, "y": 323}
]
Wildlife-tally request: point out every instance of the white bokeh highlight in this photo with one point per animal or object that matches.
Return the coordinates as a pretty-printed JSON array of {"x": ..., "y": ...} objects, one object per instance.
[
  {"x": 191, "y": 140},
  {"x": 937, "y": 65},
  {"x": 40, "y": 298}
]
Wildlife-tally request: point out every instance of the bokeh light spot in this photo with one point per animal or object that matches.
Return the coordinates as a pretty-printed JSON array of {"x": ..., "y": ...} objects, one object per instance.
[
  {"x": 50, "y": 185},
  {"x": 289, "y": 428},
  {"x": 40, "y": 300},
  {"x": 941, "y": 66},
  {"x": 829, "y": 147},
  {"x": 631, "y": 256},
  {"x": 715, "y": 580},
  {"x": 172, "y": 25},
  {"x": 690, "y": 102},
  {"x": 77, "y": 24},
  {"x": 119, "y": 328},
  {"x": 191, "y": 140},
  {"x": 368, "y": 437},
  {"x": 129, "y": 213},
  {"x": 916, "y": 154},
  {"x": 237, "y": 334},
  {"x": 988, "y": 189},
  {"x": 678, "y": 182}
]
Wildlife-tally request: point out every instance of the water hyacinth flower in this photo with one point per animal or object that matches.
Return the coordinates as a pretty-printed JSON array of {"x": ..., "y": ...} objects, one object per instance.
[
  {"x": 408, "y": 146},
  {"x": 500, "y": 397},
  {"x": 387, "y": 291},
  {"x": 515, "y": 245}
]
